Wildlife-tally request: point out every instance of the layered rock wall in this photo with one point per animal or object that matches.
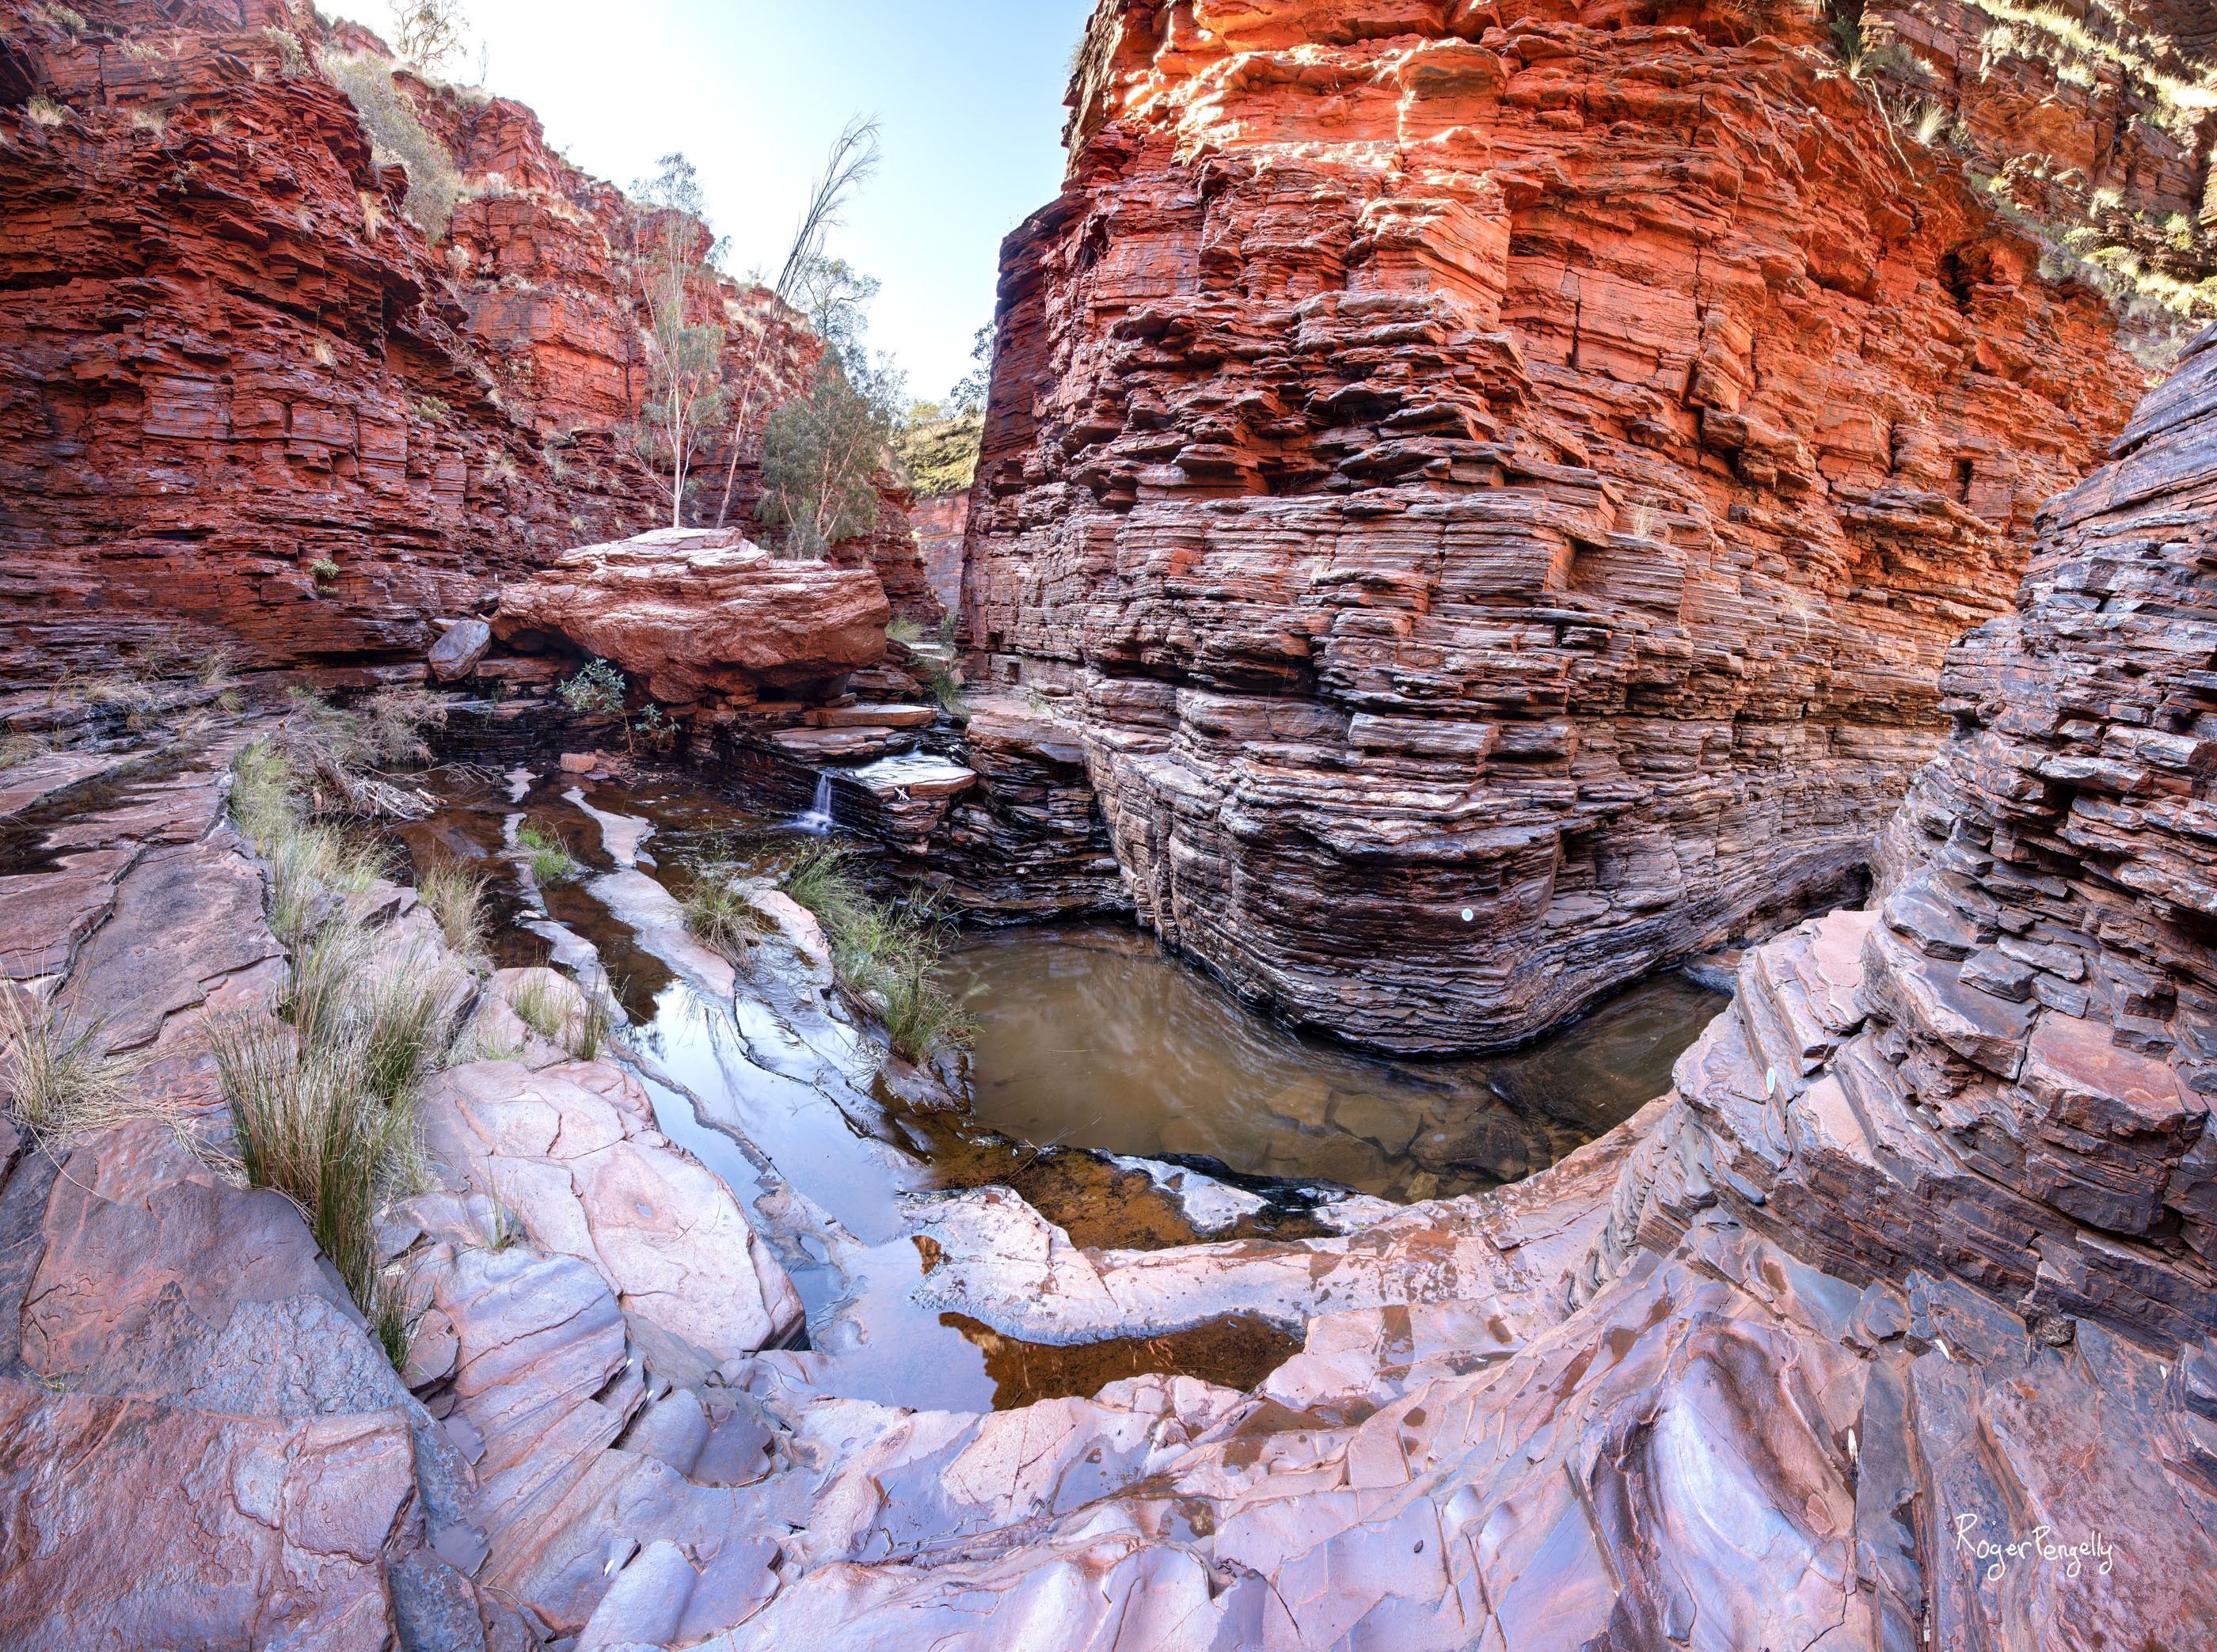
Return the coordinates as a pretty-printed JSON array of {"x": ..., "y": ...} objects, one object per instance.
[
  {"x": 1492, "y": 485},
  {"x": 242, "y": 393},
  {"x": 2005, "y": 1070},
  {"x": 2095, "y": 123}
]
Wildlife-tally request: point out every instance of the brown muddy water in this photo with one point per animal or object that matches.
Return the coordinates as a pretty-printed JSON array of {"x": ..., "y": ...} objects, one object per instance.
[
  {"x": 1105, "y": 1077},
  {"x": 1092, "y": 1036}
]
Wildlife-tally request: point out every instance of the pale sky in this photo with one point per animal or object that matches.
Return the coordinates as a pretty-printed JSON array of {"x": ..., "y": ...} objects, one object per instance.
[{"x": 754, "y": 91}]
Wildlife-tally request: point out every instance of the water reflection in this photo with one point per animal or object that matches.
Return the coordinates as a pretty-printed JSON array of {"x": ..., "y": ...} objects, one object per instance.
[{"x": 1089, "y": 1035}]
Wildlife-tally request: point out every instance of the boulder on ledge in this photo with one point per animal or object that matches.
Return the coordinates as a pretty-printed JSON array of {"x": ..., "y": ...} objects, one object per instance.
[{"x": 688, "y": 611}]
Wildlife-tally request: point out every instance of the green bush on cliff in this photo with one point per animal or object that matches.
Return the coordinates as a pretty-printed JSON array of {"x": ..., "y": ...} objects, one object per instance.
[
  {"x": 822, "y": 457},
  {"x": 939, "y": 449},
  {"x": 397, "y": 133}
]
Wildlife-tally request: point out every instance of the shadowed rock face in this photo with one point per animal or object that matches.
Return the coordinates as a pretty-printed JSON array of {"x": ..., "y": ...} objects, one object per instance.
[
  {"x": 692, "y": 611},
  {"x": 2020, "y": 1092},
  {"x": 1532, "y": 472}
]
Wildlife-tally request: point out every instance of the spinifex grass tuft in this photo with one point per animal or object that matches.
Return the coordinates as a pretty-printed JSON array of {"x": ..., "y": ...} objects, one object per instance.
[
  {"x": 718, "y": 913},
  {"x": 887, "y": 956},
  {"x": 59, "y": 1079},
  {"x": 455, "y": 897},
  {"x": 550, "y": 856},
  {"x": 312, "y": 1125}
]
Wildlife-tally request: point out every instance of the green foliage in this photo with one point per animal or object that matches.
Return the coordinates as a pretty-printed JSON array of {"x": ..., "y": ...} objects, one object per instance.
[
  {"x": 597, "y": 690},
  {"x": 685, "y": 392},
  {"x": 323, "y": 570},
  {"x": 397, "y": 133},
  {"x": 549, "y": 856},
  {"x": 939, "y": 450},
  {"x": 717, "y": 912},
  {"x": 886, "y": 955},
  {"x": 822, "y": 456},
  {"x": 654, "y": 727},
  {"x": 905, "y": 631},
  {"x": 948, "y": 692}
]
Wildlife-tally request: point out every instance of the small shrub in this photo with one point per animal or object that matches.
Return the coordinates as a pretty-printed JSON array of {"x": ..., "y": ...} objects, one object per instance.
[
  {"x": 948, "y": 622},
  {"x": 60, "y": 1080},
  {"x": 905, "y": 631},
  {"x": 432, "y": 408},
  {"x": 600, "y": 688},
  {"x": 551, "y": 862},
  {"x": 397, "y": 133},
  {"x": 655, "y": 729},
  {"x": 323, "y": 570},
  {"x": 45, "y": 112}
]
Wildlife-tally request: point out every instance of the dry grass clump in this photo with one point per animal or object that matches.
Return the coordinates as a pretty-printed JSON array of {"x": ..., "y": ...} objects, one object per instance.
[
  {"x": 886, "y": 955},
  {"x": 16, "y": 750},
  {"x": 59, "y": 1079},
  {"x": 310, "y": 861},
  {"x": 322, "y": 1088},
  {"x": 719, "y": 914},
  {"x": 455, "y": 897},
  {"x": 542, "y": 1005}
]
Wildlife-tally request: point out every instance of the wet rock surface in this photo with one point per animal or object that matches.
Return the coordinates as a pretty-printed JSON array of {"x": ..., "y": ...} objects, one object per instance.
[{"x": 1447, "y": 462}]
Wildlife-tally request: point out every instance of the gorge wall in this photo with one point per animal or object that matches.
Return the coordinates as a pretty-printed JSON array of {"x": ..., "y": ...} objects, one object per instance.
[
  {"x": 230, "y": 363},
  {"x": 1492, "y": 485}
]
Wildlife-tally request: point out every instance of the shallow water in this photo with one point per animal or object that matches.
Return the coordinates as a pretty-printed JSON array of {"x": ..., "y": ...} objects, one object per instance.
[
  {"x": 1092, "y": 1045},
  {"x": 1091, "y": 1035}
]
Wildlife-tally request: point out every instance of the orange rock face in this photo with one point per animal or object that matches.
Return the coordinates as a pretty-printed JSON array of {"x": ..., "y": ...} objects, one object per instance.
[
  {"x": 1498, "y": 482},
  {"x": 695, "y": 611},
  {"x": 240, "y": 390}
]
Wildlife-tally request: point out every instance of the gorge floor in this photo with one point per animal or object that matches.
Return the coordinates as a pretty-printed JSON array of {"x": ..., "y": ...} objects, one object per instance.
[{"x": 1125, "y": 1095}]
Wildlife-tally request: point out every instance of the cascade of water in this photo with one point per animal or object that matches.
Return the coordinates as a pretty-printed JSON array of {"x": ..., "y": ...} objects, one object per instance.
[{"x": 817, "y": 821}]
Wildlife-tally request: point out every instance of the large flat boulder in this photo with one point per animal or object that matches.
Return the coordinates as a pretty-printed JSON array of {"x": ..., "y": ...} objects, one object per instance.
[
  {"x": 588, "y": 1177},
  {"x": 691, "y": 611}
]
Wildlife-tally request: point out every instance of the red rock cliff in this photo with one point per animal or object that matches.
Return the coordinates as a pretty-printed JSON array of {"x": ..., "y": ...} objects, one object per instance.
[
  {"x": 230, "y": 364},
  {"x": 1493, "y": 484}
]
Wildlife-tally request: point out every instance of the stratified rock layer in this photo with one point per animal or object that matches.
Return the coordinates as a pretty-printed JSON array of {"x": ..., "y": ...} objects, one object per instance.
[
  {"x": 695, "y": 610},
  {"x": 241, "y": 393},
  {"x": 1496, "y": 484},
  {"x": 2020, "y": 1091}
]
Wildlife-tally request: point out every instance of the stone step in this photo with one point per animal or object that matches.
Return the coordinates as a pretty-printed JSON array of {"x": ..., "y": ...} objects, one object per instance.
[
  {"x": 841, "y": 745},
  {"x": 877, "y": 717}
]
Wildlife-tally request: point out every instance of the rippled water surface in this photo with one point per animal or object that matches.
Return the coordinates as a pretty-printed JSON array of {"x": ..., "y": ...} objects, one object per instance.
[{"x": 1091, "y": 1036}]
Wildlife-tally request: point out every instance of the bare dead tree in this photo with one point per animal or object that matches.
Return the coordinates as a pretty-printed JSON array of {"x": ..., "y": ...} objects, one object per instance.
[{"x": 852, "y": 163}]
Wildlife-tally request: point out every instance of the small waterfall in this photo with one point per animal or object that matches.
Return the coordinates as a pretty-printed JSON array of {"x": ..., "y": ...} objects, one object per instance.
[{"x": 817, "y": 821}]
